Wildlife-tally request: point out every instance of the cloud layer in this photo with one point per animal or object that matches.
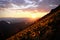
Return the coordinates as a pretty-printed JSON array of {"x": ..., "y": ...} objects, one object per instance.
[
  {"x": 20, "y": 4},
  {"x": 24, "y": 4}
]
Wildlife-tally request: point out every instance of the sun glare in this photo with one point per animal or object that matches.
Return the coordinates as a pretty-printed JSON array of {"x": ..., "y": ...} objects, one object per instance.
[
  {"x": 23, "y": 14},
  {"x": 34, "y": 16}
]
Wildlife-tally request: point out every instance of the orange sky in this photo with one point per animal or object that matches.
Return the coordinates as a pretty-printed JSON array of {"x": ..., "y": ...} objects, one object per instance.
[{"x": 22, "y": 13}]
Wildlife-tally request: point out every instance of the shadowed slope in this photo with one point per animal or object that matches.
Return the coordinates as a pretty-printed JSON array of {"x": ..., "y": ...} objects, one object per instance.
[{"x": 46, "y": 28}]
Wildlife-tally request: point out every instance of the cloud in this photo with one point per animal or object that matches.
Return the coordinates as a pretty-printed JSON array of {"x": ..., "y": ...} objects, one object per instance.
[
  {"x": 51, "y": 5},
  {"x": 14, "y": 6},
  {"x": 18, "y": 4},
  {"x": 33, "y": 1},
  {"x": 24, "y": 4},
  {"x": 40, "y": 0},
  {"x": 4, "y": 4},
  {"x": 28, "y": 1}
]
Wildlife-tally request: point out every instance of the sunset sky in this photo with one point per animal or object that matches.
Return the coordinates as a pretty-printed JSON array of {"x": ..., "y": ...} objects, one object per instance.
[{"x": 26, "y": 8}]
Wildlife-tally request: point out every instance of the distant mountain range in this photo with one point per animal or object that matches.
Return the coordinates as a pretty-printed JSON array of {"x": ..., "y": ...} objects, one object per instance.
[{"x": 16, "y": 20}]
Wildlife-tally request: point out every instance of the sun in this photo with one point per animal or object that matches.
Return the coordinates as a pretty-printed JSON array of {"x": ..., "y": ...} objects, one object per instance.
[{"x": 34, "y": 16}]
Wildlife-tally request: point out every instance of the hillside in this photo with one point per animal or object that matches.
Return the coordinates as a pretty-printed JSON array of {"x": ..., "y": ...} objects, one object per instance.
[{"x": 46, "y": 28}]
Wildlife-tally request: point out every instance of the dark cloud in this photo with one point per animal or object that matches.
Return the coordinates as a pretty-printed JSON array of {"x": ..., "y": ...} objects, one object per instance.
[
  {"x": 18, "y": 2},
  {"x": 4, "y": 3},
  {"x": 47, "y": 2},
  {"x": 44, "y": 4}
]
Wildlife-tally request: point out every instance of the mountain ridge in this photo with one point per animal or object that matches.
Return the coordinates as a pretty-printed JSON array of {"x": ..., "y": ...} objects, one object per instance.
[{"x": 43, "y": 29}]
